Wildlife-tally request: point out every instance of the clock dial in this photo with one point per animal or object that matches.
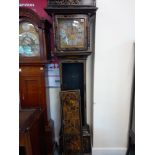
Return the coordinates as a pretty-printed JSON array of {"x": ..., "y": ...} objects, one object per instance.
[
  {"x": 71, "y": 33},
  {"x": 28, "y": 40}
]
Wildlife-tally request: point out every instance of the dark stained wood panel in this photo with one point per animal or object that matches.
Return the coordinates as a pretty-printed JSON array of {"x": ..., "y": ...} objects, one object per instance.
[{"x": 31, "y": 131}]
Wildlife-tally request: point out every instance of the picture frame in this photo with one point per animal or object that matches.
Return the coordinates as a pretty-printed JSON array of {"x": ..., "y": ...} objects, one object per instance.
[{"x": 71, "y": 32}]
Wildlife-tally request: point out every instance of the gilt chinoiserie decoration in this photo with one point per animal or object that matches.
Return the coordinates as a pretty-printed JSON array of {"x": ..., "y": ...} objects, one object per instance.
[
  {"x": 72, "y": 75},
  {"x": 71, "y": 122}
]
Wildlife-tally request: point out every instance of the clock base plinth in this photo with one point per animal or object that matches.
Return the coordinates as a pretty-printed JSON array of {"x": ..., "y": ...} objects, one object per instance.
[
  {"x": 86, "y": 138},
  {"x": 86, "y": 135}
]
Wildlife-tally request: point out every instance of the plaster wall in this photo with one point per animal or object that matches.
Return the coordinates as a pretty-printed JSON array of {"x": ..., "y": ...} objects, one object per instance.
[{"x": 114, "y": 59}]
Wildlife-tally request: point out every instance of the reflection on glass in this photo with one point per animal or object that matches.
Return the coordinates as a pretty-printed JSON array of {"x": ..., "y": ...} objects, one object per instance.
[{"x": 28, "y": 40}]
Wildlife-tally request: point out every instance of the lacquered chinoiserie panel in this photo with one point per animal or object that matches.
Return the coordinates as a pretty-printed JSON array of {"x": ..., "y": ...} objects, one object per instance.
[
  {"x": 71, "y": 122},
  {"x": 73, "y": 78}
]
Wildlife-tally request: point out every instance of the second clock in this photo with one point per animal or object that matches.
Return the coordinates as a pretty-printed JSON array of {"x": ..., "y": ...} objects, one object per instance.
[{"x": 34, "y": 38}]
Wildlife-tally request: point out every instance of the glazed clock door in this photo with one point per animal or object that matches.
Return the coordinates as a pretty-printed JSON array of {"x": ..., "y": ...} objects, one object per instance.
[{"x": 32, "y": 87}]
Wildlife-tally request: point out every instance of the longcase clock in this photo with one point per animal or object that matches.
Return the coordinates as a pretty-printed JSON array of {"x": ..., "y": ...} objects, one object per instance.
[
  {"x": 34, "y": 53},
  {"x": 74, "y": 41}
]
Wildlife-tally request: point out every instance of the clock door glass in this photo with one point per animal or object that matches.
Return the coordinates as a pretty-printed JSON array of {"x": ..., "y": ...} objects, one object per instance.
[{"x": 29, "y": 45}]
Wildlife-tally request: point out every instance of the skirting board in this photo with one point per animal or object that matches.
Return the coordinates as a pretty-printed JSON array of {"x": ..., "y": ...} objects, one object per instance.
[{"x": 108, "y": 151}]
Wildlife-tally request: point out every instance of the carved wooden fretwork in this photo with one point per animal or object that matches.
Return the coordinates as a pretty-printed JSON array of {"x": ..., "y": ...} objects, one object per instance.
[{"x": 67, "y": 2}]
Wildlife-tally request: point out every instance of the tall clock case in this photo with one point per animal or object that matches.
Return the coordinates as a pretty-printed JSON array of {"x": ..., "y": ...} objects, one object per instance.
[
  {"x": 34, "y": 53},
  {"x": 34, "y": 38}
]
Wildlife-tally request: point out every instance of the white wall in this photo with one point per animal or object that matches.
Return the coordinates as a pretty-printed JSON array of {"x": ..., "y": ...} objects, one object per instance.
[
  {"x": 53, "y": 100},
  {"x": 113, "y": 75}
]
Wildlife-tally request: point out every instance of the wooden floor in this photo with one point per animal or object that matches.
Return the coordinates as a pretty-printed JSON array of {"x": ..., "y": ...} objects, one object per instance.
[
  {"x": 22, "y": 152},
  {"x": 56, "y": 153},
  {"x": 59, "y": 154}
]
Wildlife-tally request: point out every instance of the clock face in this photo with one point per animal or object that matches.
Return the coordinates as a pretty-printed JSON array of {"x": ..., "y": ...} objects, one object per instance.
[
  {"x": 71, "y": 33},
  {"x": 29, "y": 45}
]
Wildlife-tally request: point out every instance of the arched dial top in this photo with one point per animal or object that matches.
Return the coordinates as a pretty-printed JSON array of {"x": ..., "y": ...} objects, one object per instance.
[{"x": 29, "y": 45}]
